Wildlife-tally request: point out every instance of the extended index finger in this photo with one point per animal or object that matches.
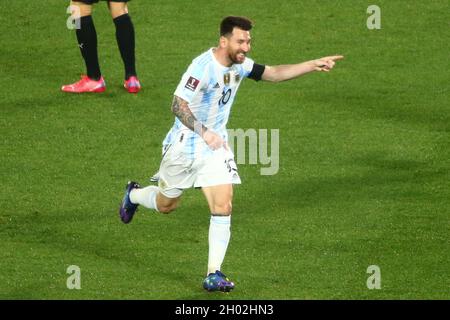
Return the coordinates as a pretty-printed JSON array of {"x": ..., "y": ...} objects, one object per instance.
[{"x": 334, "y": 58}]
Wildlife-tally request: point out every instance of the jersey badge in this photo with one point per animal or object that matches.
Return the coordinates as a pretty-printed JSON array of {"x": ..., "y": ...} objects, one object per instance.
[
  {"x": 192, "y": 84},
  {"x": 226, "y": 78}
]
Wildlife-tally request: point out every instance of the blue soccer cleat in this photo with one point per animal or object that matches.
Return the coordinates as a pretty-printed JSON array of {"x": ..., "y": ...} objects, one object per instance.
[
  {"x": 127, "y": 208},
  {"x": 217, "y": 281}
]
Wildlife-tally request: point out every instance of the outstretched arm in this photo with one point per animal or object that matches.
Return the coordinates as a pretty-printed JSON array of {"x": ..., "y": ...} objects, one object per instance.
[
  {"x": 292, "y": 71},
  {"x": 182, "y": 111}
]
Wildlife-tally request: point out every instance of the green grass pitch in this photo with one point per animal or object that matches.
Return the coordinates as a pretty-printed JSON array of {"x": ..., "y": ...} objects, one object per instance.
[{"x": 364, "y": 173}]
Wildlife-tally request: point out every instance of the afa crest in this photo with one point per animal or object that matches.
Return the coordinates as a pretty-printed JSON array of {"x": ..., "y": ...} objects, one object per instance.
[{"x": 226, "y": 78}]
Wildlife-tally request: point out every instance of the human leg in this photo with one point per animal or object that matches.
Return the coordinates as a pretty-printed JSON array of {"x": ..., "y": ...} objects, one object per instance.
[
  {"x": 219, "y": 200},
  {"x": 87, "y": 41},
  {"x": 150, "y": 197},
  {"x": 125, "y": 36}
]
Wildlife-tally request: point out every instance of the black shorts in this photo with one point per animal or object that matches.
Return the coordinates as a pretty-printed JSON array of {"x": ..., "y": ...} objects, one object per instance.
[{"x": 95, "y": 1}]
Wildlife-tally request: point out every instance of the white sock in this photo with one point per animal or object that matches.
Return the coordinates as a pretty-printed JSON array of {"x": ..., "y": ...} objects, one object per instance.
[
  {"x": 145, "y": 196},
  {"x": 219, "y": 236}
]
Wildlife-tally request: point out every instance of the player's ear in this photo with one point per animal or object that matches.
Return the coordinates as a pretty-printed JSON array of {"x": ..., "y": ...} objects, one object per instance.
[{"x": 223, "y": 42}]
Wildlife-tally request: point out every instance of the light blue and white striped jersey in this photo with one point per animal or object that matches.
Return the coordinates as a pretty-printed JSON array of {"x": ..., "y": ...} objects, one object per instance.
[{"x": 210, "y": 89}]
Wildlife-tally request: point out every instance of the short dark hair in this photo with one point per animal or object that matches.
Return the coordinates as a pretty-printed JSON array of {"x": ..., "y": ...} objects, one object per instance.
[{"x": 229, "y": 23}]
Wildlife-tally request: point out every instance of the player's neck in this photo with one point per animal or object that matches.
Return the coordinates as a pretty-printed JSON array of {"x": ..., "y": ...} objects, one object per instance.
[{"x": 222, "y": 57}]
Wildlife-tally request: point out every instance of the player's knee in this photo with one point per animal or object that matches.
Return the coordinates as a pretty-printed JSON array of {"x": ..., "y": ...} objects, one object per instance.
[
  {"x": 117, "y": 9},
  {"x": 79, "y": 9},
  {"x": 223, "y": 209}
]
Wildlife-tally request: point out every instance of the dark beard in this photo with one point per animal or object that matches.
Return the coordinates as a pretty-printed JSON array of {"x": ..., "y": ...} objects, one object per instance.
[{"x": 234, "y": 60}]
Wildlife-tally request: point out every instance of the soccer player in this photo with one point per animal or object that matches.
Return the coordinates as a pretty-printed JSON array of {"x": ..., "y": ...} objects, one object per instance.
[
  {"x": 87, "y": 41},
  {"x": 196, "y": 152}
]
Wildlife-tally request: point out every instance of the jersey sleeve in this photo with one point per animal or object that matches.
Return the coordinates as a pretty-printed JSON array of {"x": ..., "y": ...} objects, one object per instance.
[{"x": 192, "y": 82}]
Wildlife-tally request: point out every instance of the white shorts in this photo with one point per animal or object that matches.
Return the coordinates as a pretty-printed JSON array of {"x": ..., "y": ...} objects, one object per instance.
[{"x": 178, "y": 172}]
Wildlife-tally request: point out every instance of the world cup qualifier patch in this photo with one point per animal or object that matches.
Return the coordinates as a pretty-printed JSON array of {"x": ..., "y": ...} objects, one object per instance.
[{"x": 192, "y": 83}]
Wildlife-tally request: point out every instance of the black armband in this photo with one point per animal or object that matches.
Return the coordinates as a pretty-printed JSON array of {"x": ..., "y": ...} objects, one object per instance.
[{"x": 257, "y": 72}]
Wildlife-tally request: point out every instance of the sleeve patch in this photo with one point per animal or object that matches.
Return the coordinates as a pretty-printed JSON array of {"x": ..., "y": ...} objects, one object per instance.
[{"x": 192, "y": 83}]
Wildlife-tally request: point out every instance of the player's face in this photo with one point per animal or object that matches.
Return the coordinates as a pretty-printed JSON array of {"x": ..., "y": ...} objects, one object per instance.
[{"x": 238, "y": 45}]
